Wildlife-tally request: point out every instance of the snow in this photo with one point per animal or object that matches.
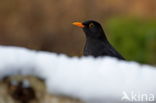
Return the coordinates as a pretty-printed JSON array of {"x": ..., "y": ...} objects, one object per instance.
[{"x": 100, "y": 80}]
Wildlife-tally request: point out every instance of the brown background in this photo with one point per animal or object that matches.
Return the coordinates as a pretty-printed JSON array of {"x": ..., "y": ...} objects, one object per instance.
[{"x": 46, "y": 24}]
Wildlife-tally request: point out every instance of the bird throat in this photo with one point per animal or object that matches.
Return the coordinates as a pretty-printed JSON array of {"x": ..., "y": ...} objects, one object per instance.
[{"x": 93, "y": 45}]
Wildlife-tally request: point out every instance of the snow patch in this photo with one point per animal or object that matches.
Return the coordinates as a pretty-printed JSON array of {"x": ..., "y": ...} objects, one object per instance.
[{"x": 99, "y": 80}]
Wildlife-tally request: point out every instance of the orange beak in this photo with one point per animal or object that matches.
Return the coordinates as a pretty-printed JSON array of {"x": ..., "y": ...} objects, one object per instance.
[{"x": 79, "y": 24}]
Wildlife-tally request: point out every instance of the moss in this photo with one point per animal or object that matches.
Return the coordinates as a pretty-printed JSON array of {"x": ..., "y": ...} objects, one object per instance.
[{"x": 135, "y": 38}]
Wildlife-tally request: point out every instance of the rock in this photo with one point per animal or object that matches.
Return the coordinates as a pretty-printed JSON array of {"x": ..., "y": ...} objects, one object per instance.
[{"x": 29, "y": 89}]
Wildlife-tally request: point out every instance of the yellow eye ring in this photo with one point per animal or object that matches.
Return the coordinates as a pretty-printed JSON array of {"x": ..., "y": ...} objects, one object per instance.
[{"x": 91, "y": 25}]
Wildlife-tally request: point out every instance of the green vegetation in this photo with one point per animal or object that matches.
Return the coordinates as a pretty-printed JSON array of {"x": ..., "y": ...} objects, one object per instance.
[{"x": 134, "y": 38}]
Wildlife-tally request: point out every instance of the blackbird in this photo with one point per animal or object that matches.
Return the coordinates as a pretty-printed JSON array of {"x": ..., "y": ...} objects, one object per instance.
[{"x": 96, "y": 41}]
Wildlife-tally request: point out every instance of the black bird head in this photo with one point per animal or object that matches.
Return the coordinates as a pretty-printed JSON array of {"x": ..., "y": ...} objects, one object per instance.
[
  {"x": 96, "y": 42},
  {"x": 92, "y": 29}
]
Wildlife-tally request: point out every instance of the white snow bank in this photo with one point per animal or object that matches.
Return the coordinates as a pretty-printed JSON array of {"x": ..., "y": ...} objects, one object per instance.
[{"x": 101, "y": 80}]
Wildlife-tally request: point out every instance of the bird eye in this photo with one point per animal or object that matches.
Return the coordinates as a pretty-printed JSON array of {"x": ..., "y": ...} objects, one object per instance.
[{"x": 91, "y": 25}]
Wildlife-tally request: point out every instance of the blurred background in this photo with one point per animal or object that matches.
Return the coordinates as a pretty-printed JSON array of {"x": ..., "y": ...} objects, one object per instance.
[{"x": 46, "y": 25}]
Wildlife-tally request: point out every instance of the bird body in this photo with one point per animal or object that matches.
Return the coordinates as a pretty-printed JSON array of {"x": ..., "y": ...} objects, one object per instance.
[
  {"x": 99, "y": 48},
  {"x": 96, "y": 41}
]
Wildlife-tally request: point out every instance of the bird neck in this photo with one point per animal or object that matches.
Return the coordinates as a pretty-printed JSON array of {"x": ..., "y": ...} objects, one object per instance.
[
  {"x": 101, "y": 38},
  {"x": 96, "y": 43},
  {"x": 92, "y": 46}
]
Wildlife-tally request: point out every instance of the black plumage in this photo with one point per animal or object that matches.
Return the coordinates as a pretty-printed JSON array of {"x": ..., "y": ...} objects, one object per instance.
[{"x": 96, "y": 41}]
